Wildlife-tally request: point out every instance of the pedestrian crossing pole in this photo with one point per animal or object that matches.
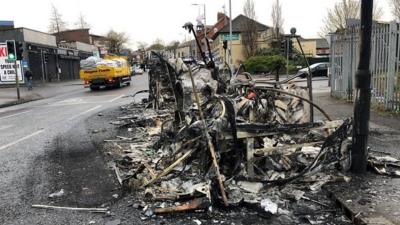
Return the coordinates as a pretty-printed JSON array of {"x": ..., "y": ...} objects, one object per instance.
[
  {"x": 17, "y": 79},
  {"x": 362, "y": 103},
  {"x": 12, "y": 58}
]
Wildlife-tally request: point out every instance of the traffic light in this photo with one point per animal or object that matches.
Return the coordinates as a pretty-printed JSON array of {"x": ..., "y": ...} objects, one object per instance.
[
  {"x": 290, "y": 48},
  {"x": 46, "y": 58},
  {"x": 283, "y": 47},
  {"x": 11, "y": 50},
  {"x": 19, "y": 50},
  {"x": 225, "y": 44}
]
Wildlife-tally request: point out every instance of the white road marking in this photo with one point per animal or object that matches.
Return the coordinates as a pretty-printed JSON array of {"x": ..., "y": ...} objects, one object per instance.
[
  {"x": 69, "y": 104},
  {"x": 85, "y": 100},
  {"x": 83, "y": 113},
  {"x": 116, "y": 98},
  {"x": 16, "y": 114},
  {"x": 5, "y": 127},
  {"x": 21, "y": 139}
]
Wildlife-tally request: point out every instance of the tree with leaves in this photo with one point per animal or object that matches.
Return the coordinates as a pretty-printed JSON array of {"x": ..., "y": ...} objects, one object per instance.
[
  {"x": 249, "y": 29},
  {"x": 82, "y": 23},
  {"x": 277, "y": 18},
  {"x": 57, "y": 24},
  {"x": 158, "y": 44},
  {"x": 343, "y": 10},
  {"x": 395, "y": 7},
  {"x": 116, "y": 41}
]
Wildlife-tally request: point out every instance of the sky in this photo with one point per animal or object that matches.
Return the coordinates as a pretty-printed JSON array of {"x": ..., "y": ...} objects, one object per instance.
[{"x": 148, "y": 20}]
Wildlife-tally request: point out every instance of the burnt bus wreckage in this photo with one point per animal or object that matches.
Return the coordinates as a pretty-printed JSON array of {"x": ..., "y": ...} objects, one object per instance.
[
  {"x": 227, "y": 138},
  {"x": 204, "y": 138}
]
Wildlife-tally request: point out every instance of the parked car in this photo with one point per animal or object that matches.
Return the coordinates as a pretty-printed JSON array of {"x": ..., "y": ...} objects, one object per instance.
[
  {"x": 317, "y": 69},
  {"x": 136, "y": 70}
]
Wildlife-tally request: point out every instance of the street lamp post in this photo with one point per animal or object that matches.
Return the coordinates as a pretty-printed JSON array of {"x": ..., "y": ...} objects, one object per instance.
[
  {"x": 230, "y": 35},
  {"x": 205, "y": 19}
]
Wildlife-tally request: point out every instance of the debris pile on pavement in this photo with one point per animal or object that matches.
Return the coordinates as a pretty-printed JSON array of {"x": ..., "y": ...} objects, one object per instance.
[
  {"x": 196, "y": 144},
  {"x": 384, "y": 164}
]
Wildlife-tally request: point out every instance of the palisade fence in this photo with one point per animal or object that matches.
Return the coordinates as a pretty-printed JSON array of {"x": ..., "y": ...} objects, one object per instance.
[{"x": 385, "y": 64}]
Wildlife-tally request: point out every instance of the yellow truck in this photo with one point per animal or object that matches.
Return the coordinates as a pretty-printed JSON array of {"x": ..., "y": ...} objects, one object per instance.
[{"x": 112, "y": 71}]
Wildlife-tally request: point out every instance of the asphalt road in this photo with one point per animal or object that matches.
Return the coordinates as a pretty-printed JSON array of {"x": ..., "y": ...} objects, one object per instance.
[{"x": 45, "y": 146}]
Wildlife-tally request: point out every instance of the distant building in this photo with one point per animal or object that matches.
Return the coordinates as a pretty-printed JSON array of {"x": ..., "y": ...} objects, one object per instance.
[
  {"x": 48, "y": 59},
  {"x": 186, "y": 49},
  {"x": 138, "y": 56},
  {"x": 100, "y": 42},
  {"x": 238, "y": 27},
  {"x": 40, "y": 51},
  {"x": 84, "y": 36},
  {"x": 313, "y": 47},
  {"x": 81, "y": 35}
]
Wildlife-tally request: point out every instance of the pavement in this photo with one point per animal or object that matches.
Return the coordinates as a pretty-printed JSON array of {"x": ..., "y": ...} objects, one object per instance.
[{"x": 8, "y": 95}]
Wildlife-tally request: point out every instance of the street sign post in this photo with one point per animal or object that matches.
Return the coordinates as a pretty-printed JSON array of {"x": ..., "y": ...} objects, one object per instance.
[{"x": 227, "y": 37}]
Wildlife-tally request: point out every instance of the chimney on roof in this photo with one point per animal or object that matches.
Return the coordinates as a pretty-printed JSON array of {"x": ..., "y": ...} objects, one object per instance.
[{"x": 220, "y": 16}]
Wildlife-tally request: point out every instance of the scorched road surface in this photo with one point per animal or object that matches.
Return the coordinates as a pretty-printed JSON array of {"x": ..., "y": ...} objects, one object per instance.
[{"x": 45, "y": 146}]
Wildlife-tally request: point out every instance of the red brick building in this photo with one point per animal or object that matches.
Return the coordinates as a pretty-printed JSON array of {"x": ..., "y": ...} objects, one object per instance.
[
  {"x": 84, "y": 36},
  {"x": 81, "y": 35},
  {"x": 222, "y": 21}
]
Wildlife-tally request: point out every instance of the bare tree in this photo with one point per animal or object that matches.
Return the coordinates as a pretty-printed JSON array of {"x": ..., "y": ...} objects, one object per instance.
[
  {"x": 395, "y": 6},
  {"x": 116, "y": 41},
  {"x": 172, "y": 47},
  {"x": 82, "y": 23},
  {"x": 142, "y": 45},
  {"x": 377, "y": 12},
  {"x": 342, "y": 11},
  {"x": 249, "y": 29},
  {"x": 57, "y": 24},
  {"x": 277, "y": 19}
]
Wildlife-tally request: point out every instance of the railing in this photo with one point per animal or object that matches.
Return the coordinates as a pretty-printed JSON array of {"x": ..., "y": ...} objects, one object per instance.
[{"x": 385, "y": 64}]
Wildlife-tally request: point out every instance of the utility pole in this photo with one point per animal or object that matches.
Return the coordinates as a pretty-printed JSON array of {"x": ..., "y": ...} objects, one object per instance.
[
  {"x": 287, "y": 56},
  {"x": 205, "y": 27},
  {"x": 230, "y": 36},
  {"x": 362, "y": 102}
]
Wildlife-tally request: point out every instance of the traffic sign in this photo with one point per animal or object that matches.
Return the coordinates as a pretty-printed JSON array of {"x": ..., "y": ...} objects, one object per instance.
[{"x": 7, "y": 67}]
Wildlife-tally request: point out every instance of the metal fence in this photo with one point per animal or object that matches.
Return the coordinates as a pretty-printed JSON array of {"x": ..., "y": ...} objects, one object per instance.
[{"x": 385, "y": 64}]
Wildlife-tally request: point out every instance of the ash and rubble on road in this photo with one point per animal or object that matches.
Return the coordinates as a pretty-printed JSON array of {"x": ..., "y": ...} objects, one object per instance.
[
  {"x": 246, "y": 146},
  {"x": 199, "y": 145}
]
